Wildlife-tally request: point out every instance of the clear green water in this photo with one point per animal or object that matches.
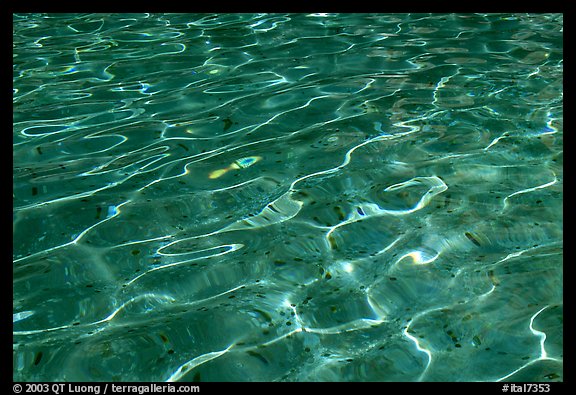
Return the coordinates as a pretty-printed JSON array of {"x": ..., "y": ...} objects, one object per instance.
[{"x": 300, "y": 197}]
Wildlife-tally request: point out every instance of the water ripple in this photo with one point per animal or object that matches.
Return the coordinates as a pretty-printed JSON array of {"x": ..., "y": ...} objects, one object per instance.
[{"x": 287, "y": 197}]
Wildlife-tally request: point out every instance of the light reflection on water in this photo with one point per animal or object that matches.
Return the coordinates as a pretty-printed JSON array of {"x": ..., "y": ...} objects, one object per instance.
[{"x": 292, "y": 197}]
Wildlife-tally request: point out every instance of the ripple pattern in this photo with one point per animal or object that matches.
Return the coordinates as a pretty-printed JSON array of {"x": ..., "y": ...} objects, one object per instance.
[{"x": 287, "y": 197}]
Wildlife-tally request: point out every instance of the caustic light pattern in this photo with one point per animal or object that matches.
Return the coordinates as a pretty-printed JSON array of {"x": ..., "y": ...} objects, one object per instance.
[{"x": 287, "y": 197}]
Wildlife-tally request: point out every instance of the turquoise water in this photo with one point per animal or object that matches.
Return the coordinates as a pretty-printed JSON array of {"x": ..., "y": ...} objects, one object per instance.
[{"x": 287, "y": 197}]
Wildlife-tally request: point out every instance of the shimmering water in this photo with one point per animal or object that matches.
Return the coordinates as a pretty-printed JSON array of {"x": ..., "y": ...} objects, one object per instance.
[{"x": 299, "y": 197}]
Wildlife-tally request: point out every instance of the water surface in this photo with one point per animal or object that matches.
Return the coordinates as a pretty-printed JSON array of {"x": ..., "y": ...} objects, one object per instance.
[{"x": 287, "y": 197}]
